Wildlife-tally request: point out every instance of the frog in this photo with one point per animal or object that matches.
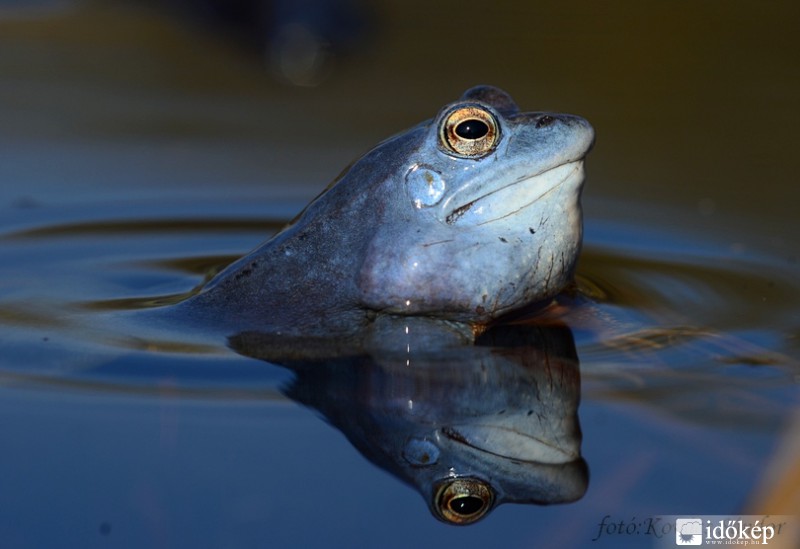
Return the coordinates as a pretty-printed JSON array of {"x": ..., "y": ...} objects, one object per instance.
[
  {"x": 469, "y": 427},
  {"x": 461, "y": 220}
]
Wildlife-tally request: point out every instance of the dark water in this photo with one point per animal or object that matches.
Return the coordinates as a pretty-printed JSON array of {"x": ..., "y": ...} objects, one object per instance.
[{"x": 140, "y": 153}]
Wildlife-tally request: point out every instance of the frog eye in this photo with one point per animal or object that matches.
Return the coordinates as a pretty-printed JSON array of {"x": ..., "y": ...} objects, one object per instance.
[
  {"x": 463, "y": 500},
  {"x": 469, "y": 131}
]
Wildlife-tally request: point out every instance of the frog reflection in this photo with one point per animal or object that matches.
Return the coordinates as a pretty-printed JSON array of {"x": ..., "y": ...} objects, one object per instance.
[{"x": 468, "y": 427}]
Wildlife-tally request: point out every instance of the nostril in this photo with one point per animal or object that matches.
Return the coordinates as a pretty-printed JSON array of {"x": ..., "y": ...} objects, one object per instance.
[{"x": 545, "y": 121}]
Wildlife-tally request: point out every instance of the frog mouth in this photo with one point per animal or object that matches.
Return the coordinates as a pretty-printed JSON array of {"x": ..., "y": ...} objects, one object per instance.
[
  {"x": 507, "y": 442},
  {"x": 508, "y": 200}
]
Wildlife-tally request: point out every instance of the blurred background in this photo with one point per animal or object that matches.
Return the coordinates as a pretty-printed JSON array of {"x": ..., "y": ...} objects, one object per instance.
[
  {"x": 694, "y": 102},
  {"x": 119, "y": 117}
]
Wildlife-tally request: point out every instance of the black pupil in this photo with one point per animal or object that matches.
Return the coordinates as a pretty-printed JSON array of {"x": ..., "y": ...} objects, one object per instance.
[
  {"x": 472, "y": 129},
  {"x": 466, "y": 505}
]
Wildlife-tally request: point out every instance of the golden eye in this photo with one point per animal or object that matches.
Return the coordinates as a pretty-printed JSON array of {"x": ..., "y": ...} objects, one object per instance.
[
  {"x": 470, "y": 131},
  {"x": 463, "y": 500}
]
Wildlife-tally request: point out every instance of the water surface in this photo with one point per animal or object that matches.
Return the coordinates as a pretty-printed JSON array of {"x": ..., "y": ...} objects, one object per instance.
[{"x": 140, "y": 154}]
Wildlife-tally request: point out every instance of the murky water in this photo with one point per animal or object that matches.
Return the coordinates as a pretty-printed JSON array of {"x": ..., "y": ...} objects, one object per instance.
[
  {"x": 679, "y": 358},
  {"x": 171, "y": 440}
]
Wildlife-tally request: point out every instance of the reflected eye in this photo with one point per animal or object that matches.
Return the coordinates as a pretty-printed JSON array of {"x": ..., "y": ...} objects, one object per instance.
[
  {"x": 463, "y": 500},
  {"x": 470, "y": 131}
]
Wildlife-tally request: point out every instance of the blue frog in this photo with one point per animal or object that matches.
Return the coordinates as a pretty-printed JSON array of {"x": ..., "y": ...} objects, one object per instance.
[{"x": 463, "y": 219}]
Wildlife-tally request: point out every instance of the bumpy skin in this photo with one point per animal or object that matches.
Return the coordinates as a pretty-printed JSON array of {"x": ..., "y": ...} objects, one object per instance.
[{"x": 414, "y": 229}]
